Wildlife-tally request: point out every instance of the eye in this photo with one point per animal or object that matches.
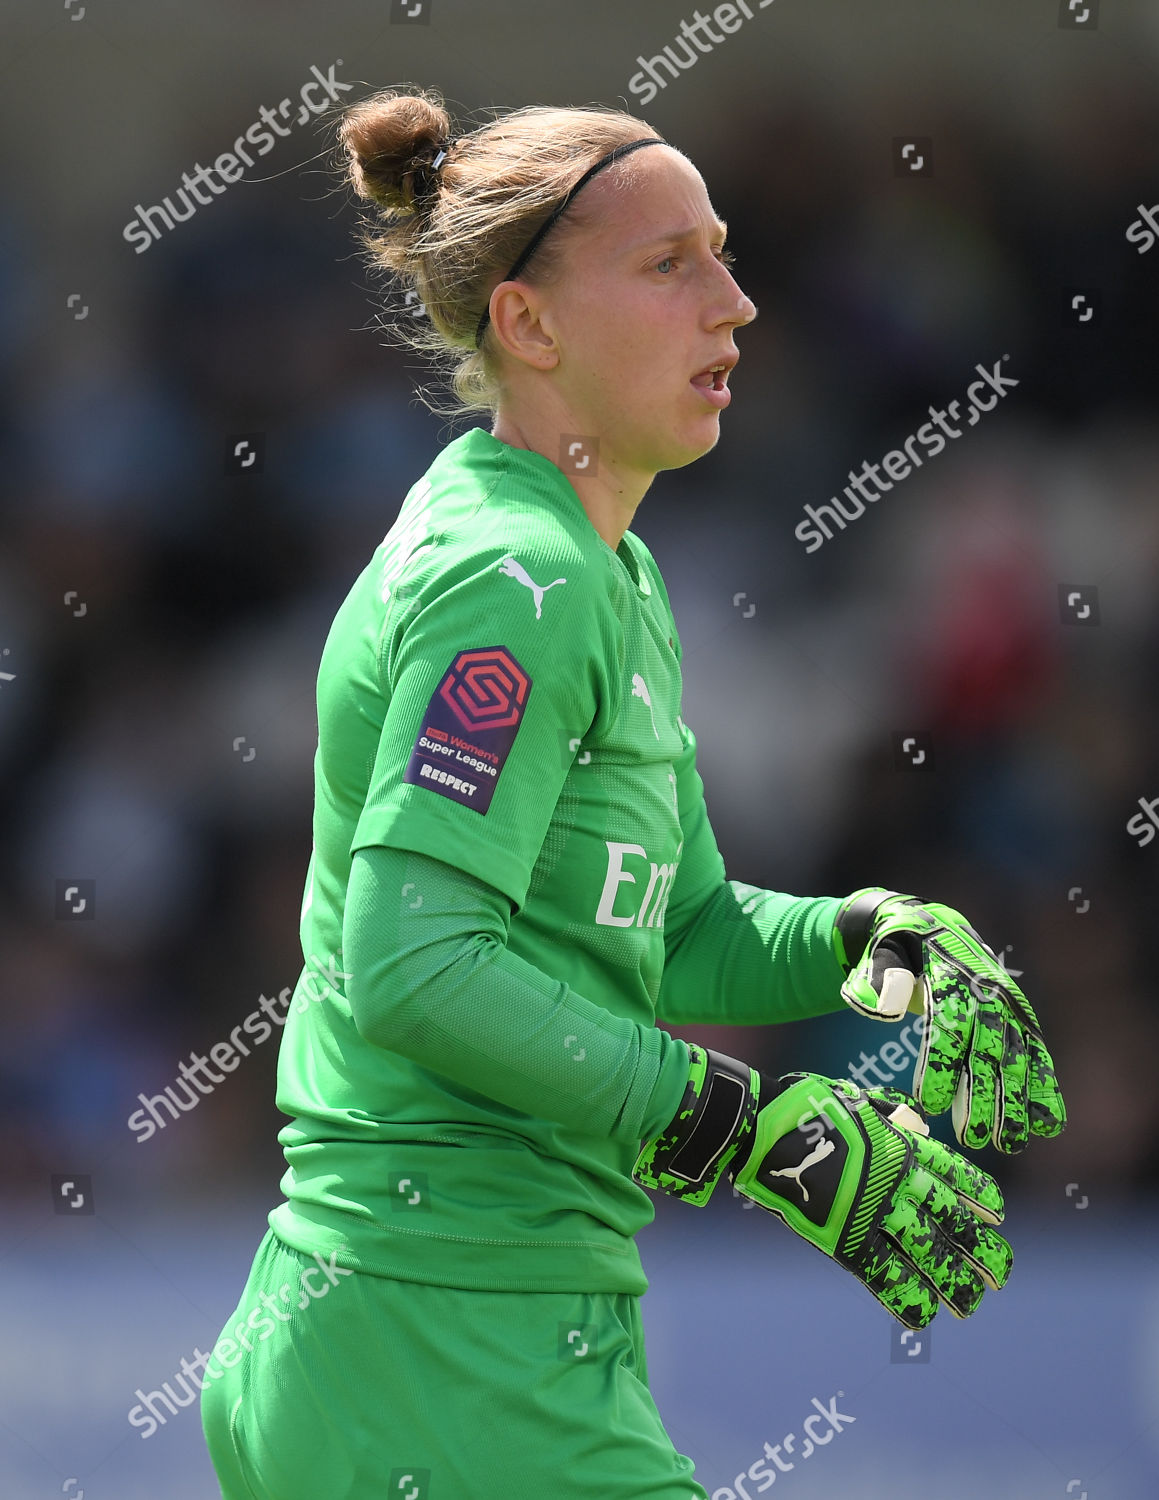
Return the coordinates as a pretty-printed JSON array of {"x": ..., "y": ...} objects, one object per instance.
[{"x": 726, "y": 258}]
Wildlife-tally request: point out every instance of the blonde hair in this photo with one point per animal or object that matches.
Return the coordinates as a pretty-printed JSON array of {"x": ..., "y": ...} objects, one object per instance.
[{"x": 450, "y": 236}]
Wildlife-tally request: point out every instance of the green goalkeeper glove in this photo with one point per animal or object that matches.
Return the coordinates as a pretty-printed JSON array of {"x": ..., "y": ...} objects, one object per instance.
[
  {"x": 851, "y": 1170},
  {"x": 981, "y": 1049}
]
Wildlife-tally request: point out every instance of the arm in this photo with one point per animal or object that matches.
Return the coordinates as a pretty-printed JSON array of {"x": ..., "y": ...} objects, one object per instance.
[
  {"x": 736, "y": 954},
  {"x": 436, "y": 871},
  {"x": 432, "y": 979}
]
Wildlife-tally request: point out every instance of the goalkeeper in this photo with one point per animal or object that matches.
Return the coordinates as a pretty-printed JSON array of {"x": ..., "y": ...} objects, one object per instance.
[{"x": 513, "y": 874}]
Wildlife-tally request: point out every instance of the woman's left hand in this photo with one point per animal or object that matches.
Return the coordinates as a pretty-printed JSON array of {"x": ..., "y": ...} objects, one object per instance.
[{"x": 982, "y": 1050}]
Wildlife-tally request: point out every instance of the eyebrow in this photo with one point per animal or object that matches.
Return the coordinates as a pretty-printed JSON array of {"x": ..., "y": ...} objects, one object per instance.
[{"x": 680, "y": 236}]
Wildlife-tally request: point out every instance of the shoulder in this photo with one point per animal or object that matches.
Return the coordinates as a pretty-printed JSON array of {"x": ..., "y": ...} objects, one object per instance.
[
  {"x": 511, "y": 573},
  {"x": 536, "y": 595}
]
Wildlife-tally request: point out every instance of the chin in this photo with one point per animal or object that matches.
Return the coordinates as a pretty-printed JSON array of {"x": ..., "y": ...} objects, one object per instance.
[
  {"x": 695, "y": 442},
  {"x": 675, "y": 448}
]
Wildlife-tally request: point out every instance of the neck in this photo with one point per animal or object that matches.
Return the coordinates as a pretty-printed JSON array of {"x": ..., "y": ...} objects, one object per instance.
[{"x": 610, "y": 496}]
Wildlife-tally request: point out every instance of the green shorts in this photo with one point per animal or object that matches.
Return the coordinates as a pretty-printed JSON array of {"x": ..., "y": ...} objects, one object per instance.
[{"x": 329, "y": 1384}]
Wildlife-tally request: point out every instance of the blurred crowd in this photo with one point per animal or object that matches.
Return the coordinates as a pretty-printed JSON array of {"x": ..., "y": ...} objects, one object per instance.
[{"x": 163, "y": 617}]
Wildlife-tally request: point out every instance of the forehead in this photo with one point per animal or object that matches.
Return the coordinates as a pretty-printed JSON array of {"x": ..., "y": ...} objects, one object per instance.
[{"x": 665, "y": 196}]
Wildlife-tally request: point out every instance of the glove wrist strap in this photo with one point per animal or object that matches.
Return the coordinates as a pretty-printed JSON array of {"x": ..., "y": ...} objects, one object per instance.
[
  {"x": 854, "y": 923},
  {"x": 715, "y": 1118}
]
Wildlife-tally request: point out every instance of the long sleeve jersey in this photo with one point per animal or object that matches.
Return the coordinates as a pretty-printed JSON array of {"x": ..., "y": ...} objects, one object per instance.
[{"x": 513, "y": 875}]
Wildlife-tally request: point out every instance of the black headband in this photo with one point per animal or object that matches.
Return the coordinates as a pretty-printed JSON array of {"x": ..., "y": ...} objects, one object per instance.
[{"x": 613, "y": 155}]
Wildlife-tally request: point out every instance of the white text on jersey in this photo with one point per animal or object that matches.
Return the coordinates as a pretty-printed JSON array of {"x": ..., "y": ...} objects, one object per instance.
[{"x": 659, "y": 885}]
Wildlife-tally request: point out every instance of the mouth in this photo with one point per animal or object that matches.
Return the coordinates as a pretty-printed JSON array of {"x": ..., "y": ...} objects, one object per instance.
[{"x": 712, "y": 381}]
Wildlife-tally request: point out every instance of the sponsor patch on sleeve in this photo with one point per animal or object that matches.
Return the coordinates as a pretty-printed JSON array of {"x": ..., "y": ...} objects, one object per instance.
[{"x": 469, "y": 726}]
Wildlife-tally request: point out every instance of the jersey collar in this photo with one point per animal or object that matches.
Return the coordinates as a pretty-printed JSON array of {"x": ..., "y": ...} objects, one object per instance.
[{"x": 534, "y": 464}]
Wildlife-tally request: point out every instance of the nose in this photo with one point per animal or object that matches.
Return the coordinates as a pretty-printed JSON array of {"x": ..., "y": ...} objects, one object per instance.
[
  {"x": 746, "y": 309},
  {"x": 742, "y": 309}
]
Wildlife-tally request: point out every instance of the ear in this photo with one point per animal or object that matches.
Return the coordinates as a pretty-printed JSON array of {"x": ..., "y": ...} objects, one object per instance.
[{"x": 522, "y": 325}]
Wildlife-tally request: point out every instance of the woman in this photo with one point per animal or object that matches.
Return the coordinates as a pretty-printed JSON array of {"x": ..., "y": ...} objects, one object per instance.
[{"x": 513, "y": 873}]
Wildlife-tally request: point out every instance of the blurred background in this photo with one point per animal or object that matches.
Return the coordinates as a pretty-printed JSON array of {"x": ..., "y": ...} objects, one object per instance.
[{"x": 163, "y": 608}]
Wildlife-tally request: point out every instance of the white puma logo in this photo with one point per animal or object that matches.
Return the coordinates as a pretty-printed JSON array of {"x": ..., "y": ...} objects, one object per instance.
[
  {"x": 819, "y": 1152},
  {"x": 516, "y": 570},
  {"x": 640, "y": 690}
]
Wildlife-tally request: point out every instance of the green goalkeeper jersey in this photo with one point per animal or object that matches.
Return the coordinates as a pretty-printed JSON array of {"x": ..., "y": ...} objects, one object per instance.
[{"x": 501, "y": 690}]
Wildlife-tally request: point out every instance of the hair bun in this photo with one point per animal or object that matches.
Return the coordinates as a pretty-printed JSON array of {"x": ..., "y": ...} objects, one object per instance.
[{"x": 391, "y": 140}]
